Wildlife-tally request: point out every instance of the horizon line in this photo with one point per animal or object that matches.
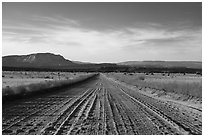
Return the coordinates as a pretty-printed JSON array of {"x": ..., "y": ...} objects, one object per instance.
[{"x": 105, "y": 62}]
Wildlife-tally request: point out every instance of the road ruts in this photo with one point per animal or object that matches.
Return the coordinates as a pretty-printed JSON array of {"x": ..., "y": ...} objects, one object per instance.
[
  {"x": 34, "y": 115},
  {"x": 98, "y": 107},
  {"x": 170, "y": 114}
]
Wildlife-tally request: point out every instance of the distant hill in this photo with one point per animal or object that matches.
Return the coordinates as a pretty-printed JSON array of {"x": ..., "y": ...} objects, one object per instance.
[
  {"x": 79, "y": 62},
  {"x": 48, "y": 61},
  {"x": 53, "y": 62},
  {"x": 38, "y": 60},
  {"x": 163, "y": 64}
]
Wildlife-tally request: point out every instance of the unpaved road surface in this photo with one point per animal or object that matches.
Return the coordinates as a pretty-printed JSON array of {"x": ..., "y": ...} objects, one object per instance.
[{"x": 100, "y": 106}]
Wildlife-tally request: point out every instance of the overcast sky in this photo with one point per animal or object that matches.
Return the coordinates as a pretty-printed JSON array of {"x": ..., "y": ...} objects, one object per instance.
[{"x": 104, "y": 32}]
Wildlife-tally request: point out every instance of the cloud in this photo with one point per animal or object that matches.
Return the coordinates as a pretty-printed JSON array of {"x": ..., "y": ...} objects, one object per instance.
[
  {"x": 68, "y": 37},
  {"x": 54, "y": 20}
]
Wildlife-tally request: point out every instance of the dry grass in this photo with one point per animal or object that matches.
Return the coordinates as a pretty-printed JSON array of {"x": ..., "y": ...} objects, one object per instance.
[
  {"x": 14, "y": 82},
  {"x": 35, "y": 88},
  {"x": 187, "y": 85},
  {"x": 19, "y": 78}
]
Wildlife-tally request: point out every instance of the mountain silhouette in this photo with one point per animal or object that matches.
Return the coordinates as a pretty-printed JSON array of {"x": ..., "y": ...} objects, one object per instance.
[{"x": 38, "y": 60}]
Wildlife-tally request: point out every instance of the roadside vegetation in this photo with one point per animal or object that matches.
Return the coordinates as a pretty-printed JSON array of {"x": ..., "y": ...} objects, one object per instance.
[
  {"x": 13, "y": 92},
  {"x": 19, "y": 78},
  {"x": 190, "y": 85}
]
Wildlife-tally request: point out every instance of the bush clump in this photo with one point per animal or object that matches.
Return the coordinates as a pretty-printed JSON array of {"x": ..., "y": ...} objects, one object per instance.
[{"x": 141, "y": 77}]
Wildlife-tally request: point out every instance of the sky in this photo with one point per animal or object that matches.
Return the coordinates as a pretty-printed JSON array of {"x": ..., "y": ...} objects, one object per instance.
[{"x": 104, "y": 32}]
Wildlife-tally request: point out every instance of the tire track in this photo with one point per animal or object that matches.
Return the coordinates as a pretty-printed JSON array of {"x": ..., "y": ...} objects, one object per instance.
[
  {"x": 65, "y": 124},
  {"x": 170, "y": 115},
  {"x": 111, "y": 126},
  {"x": 118, "y": 124},
  {"x": 84, "y": 115},
  {"x": 34, "y": 108},
  {"x": 141, "y": 124},
  {"x": 49, "y": 128},
  {"x": 184, "y": 123},
  {"x": 153, "y": 111},
  {"x": 128, "y": 122},
  {"x": 143, "y": 107},
  {"x": 18, "y": 122}
]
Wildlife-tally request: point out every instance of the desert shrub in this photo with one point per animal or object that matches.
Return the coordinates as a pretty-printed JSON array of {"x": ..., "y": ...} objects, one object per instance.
[
  {"x": 47, "y": 77},
  {"x": 142, "y": 77},
  {"x": 199, "y": 73}
]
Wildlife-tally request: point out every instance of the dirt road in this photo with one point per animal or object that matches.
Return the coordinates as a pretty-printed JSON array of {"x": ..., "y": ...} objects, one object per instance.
[{"x": 100, "y": 106}]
